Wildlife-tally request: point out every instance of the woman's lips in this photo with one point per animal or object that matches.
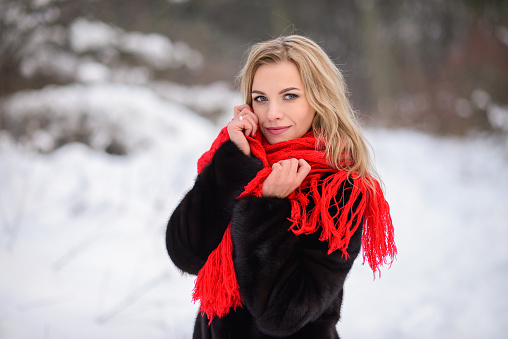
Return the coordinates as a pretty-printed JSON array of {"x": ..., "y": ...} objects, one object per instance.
[{"x": 277, "y": 130}]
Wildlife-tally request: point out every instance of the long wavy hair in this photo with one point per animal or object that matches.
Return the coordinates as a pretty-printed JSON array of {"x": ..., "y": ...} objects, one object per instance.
[{"x": 335, "y": 124}]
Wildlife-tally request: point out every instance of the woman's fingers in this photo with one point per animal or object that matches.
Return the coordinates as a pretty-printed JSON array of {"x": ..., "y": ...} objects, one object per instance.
[
  {"x": 276, "y": 170},
  {"x": 236, "y": 129},
  {"x": 245, "y": 123},
  {"x": 303, "y": 171},
  {"x": 245, "y": 118},
  {"x": 289, "y": 169},
  {"x": 293, "y": 167},
  {"x": 286, "y": 176},
  {"x": 246, "y": 127},
  {"x": 237, "y": 110},
  {"x": 250, "y": 120}
]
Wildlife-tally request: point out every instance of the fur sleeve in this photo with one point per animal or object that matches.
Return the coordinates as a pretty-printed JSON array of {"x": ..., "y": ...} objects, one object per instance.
[
  {"x": 198, "y": 223},
  {"x": 286, "y": 281}
]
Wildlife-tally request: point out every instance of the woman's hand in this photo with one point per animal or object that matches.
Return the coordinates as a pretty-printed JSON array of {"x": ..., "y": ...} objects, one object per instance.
[
  {"x": 287, "y": 175},
  {"x": 244, "y": 123}
]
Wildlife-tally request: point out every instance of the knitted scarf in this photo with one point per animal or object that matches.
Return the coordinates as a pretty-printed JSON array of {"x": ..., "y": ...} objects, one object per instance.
[{"x": 216, "y": 286}]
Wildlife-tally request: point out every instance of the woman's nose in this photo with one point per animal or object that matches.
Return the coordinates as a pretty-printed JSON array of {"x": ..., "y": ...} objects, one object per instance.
[{"x": 274, "y": 112}]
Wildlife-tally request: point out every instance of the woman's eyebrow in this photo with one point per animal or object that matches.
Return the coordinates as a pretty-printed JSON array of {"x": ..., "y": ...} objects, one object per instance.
[
  {"x": 281, "y": 92},
  {"x": 288, "y": 90}
]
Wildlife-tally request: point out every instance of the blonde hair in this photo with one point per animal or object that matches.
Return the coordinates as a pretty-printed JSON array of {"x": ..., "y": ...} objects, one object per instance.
[{"x": 335, "y": 123}]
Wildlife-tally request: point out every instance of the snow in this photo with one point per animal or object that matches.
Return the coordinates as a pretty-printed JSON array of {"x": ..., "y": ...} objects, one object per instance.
[
  {"x": 448, "y": 200},
  {"x": 210, "y": 100},
  {"x": 90, "y": 50},
  {"x": 86, "y": 35},
  {"x": 82, "y": 245},
  {"x": 82, "y": 251},
  {"x": 498, "y": 117},
  {"x": 156, "y": 49}
]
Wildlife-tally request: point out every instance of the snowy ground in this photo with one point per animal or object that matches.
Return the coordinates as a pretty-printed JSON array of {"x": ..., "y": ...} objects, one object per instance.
[{"x": 82, "y": 251}]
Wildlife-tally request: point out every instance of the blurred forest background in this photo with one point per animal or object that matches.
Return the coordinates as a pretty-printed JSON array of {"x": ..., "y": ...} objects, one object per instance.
[{"x": 433, "y": 65}]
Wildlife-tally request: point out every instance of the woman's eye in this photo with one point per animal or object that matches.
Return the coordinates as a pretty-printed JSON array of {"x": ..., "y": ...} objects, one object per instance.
[
  {"x": 260, "y": 98},
  {"x": 290, "y": 96}
]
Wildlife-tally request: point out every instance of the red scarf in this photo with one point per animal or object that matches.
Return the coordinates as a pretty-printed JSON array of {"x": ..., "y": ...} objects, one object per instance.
[{"x": 216, "y": 286}]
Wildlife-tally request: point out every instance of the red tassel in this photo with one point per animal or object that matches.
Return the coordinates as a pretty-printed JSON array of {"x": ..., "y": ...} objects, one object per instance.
[
  {"x": 216, "y": 286},
  {"x": 378, "y": 237}
]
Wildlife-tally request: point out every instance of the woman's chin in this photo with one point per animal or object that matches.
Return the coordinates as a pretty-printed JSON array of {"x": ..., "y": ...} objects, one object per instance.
[{"x": 273, "y": 139}]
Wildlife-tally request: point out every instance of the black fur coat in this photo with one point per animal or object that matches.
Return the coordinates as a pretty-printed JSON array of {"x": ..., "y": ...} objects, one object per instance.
[{"x": 290, "y": 286}]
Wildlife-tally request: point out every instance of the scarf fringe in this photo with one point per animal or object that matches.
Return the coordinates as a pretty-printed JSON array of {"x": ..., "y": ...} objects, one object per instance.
[
  {"x": 216, "y": 286},
  {"x": 378, "y": 244},
  {"x": 378, "y": 239}
]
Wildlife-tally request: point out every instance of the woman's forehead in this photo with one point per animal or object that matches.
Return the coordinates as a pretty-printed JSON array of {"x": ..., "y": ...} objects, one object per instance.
[{"x": 277, "y": 76}]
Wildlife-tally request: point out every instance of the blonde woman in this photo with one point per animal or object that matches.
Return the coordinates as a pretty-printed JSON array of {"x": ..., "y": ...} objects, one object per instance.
[{"x": 283, "y": 202}]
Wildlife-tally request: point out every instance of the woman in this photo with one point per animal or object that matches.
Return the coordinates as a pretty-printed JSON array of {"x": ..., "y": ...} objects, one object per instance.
[{"x": 282, "y": 204}]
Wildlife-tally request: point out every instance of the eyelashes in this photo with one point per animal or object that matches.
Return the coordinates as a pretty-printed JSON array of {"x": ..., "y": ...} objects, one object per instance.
[
  {"x": 260, "y": 98},
  {"x": 287, "y": 96}
]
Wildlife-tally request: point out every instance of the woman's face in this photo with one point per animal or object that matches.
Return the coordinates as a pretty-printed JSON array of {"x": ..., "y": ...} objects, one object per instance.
[{"x": 279, "y": 101}]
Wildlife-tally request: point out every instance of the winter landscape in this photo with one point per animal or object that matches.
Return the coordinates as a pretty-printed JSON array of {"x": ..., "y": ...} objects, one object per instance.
[{"x": 82, "y": 228}]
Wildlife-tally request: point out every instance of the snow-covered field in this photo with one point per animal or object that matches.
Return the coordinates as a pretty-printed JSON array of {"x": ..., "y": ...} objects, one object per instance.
[{"x": 82, "y": 251}]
